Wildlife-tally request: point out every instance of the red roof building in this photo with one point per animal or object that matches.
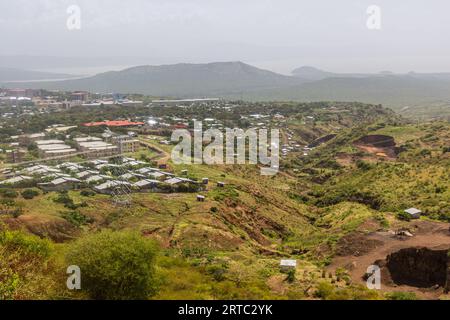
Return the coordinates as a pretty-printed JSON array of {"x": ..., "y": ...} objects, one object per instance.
[{"x": 117, "y": 123}]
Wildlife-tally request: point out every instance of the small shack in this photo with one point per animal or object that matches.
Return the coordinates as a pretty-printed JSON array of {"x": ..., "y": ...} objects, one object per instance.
[
  {"x": 286, "y": 265},
  {"x": 200, "y": 198},
  {"x": 205, "y": 180},
  {"x": 221, "y": 184},
  {"x": 413, "y": 213}
]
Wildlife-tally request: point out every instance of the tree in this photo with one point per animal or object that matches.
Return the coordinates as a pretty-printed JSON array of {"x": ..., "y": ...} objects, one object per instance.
[
  {"x": 29, "y": 193},
  {"x": 115, "y": 265}
]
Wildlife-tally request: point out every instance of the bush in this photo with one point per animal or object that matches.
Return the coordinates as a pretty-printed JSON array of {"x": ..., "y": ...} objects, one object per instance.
[
  {"x": 115, "y": 265},
  {"x": 76, "y": 218},
  {"x": 401, "y": 296},
  {"x": 403, "y": 216},
  {"x": 26, "y": 268},
  {"x": 87, "y": 193},
  {"x": 9, "y": 193},
  {"x": 26, "y": 244},
  {"x": 29, "y": 193},
  {"x": 291, "y": 276}
]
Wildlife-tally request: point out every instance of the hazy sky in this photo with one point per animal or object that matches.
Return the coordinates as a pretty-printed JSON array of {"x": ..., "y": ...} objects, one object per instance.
[{"x": 275, "y": 34}]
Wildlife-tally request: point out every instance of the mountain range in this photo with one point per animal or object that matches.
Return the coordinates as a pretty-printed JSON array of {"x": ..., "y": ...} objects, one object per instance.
[{"x": 239, "y": 80}]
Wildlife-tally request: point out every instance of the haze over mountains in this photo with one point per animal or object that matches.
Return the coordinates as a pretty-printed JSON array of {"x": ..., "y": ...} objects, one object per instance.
[
  {"x": 240, "y": 80},
  {"x": 14, "y": 74}
]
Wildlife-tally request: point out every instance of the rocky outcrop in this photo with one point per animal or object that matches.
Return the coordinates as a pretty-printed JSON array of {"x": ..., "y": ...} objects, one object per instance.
[{"x": 418, "y": 267}]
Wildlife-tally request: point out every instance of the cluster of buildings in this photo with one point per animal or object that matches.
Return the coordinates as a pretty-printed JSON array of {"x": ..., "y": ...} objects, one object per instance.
[
  {"x": 53, "y": 101},
  {"x": 90, "y": 147},
  {"x": 102, "y": 176}
]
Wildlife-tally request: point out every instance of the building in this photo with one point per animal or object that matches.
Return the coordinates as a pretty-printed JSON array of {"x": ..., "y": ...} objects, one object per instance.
[
  {"x": 54, "y": 148},
  {"x": 15, "y": 180},
  {"x": 183, "y": 101},
  {"x": 110, "y": 187},
  {"x": 117, "y": 123},
  {"x": 15, "y": 156},
  {"x": 413, "y": 213},
  {"x": 146, "y": 184},
  {"x": 79, "y": 96},
  {"x": 60, "y": 184},
  {"x": 125, "y": 143},
  {"x": 29, "y": 138},
  {"x": 286, "y": 265},
  {"x": 96, "y": 147}
]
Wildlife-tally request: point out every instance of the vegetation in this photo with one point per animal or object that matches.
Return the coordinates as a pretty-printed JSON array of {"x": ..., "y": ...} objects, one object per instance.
[
  {"x": 115, "y": 265},
  {"x": 229, "y": 246}
]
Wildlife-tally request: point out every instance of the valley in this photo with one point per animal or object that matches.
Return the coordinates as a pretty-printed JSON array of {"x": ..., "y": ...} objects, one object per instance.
[{"x": 347, "y": 173}]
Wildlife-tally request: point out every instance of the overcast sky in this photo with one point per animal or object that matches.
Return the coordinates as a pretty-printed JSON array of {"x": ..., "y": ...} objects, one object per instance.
[{"x": 279, "y": 35}]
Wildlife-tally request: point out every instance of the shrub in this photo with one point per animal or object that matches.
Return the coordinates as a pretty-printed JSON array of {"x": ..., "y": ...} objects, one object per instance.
[
  {"x": 26, "y": 244},
  {"x": 401, "y": 296},
  {"x": 26, "y": 268},
  {"x": 403, "y": 216},
  {"x": 115, "y": 265},
  {"x": 29, "y": 193},
  {"x": 291, "y": 276},
  {"x": 9, "y": 193},
  {"x": 76, "y": 218},
  {"x": 87, "y": 193}
]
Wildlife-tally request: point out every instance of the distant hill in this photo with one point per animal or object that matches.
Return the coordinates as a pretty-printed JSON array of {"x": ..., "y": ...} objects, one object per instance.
[
  {"x": 181, "y": 80},
  {"x": 390, "y": 90},
  {"x": 312, "y": 74},
  {"x": 235, "y": 80},
  {"x": 14, "y": 74}
]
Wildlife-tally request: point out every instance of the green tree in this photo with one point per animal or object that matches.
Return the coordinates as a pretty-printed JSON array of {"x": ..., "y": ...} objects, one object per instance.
[
  {"x": 115, "y": 265},
  {"x": 29, "y": 193}
]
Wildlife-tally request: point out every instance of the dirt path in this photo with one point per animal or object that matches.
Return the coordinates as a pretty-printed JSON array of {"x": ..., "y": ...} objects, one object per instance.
[{"x": 163, "y": 156}]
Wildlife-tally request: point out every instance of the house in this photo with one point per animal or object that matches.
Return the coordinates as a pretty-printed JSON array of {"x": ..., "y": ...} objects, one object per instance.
[
  {"x": 15, "y": 180},
  {"x": 413, "y": 213},
  {"x": 61, "y": 183},
  {"x": 157, "y": 175},
  {"x": 286, "y": 265},
  {"x": 146, "y": 184},
  {"x": 15, "y": 155},
  {"x": 86, "y": 174},
  {"x": 97, "y": 178},
  {"x": 41, "y": 170},
  {"x": 112, "y": 186},
  {"x": 146, "y": 170},
  {"x": 97, "y": 162},
  {"x": 173, "y": 181}
]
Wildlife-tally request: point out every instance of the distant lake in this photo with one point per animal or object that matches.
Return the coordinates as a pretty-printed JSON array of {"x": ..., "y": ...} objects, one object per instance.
[{"x": 86, "y": 71}]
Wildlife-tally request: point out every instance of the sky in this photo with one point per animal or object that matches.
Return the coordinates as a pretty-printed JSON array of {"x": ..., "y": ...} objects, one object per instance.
[{"x": 279, "y": 35}]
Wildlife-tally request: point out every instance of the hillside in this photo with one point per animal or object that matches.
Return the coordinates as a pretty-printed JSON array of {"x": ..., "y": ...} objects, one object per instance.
[
  {"x": 342, "y": 197},
  {"x": 414, "y": 94},
  {"x": 181, "y": 80}
]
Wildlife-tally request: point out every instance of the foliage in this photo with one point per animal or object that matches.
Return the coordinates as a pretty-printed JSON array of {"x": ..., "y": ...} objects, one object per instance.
[
  {"x": 29, "y": 193},
  {"x": 398, "y": 295},
  {"x": 8, "y": 193},
  {"x": 76, "y": 218},
  {"x": 115, "y": 265}
]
